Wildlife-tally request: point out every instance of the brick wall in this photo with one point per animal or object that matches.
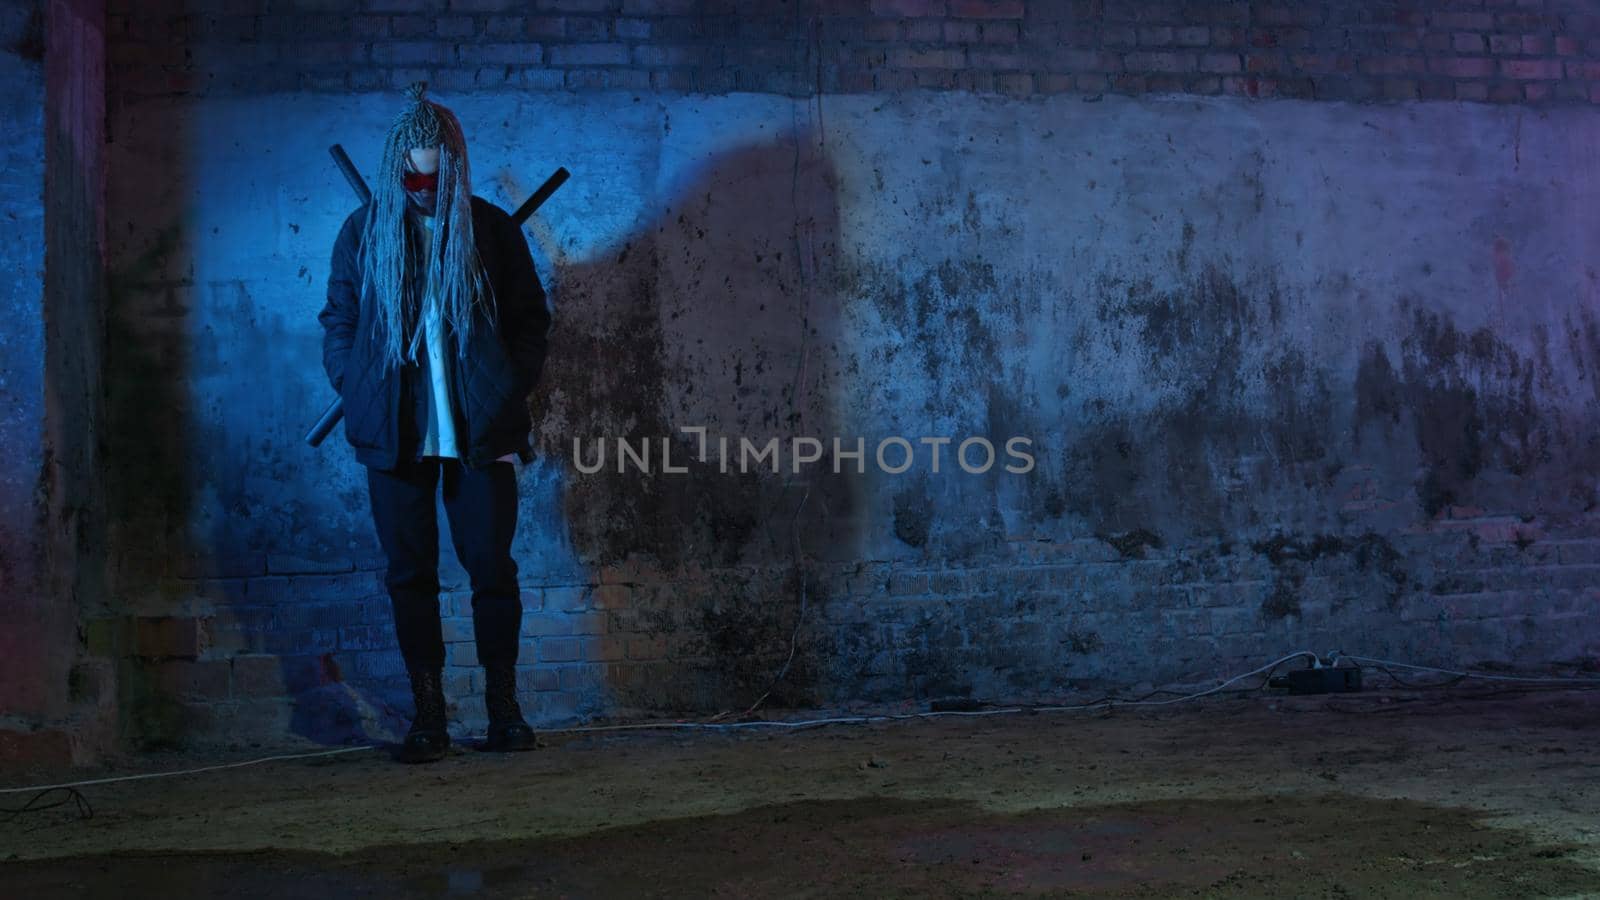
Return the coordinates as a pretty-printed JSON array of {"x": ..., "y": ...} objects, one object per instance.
[
  {"x": 1038, "y": 622},
  {"x": 1501, "y": 51}
]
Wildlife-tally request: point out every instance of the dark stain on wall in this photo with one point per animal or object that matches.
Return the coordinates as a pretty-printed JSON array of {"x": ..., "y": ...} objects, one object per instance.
[
  {"x": 1132, "y": 544},
  {"x": 1477, "y": 405},
  {"x": 913, "y": 513},
  {"x": 1284, "y": 600},
  {"x": 1155, "y": 468},
  {"x": 1372, "y": 553},
  {"x": 1378, "y": 389},
  {"x": 1084, "y": 642},
  {"x": 1583, "y": 342}
]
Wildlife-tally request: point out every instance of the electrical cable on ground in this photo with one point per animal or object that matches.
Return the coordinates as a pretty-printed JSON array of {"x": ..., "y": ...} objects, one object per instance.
[{"x": 1105, "y": 703}]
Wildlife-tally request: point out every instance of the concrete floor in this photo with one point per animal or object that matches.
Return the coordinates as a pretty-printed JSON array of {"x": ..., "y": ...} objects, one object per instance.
[{"x": 1457, "y": 792}]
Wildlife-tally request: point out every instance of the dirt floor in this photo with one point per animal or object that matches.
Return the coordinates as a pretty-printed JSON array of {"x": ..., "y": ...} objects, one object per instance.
[{"x": 1458, "y": 792}]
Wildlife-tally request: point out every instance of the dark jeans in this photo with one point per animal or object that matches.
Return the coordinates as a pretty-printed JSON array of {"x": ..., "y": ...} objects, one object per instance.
[{"x": 481, "y": 506}]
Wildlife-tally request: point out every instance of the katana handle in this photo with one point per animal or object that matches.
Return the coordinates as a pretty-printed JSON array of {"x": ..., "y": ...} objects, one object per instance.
[
  {"x": 357, "y": 184},
  {"x": 330, "y": 418},
  {"x": 335, "y": 411},
  {"x": 556, "y": 179}
]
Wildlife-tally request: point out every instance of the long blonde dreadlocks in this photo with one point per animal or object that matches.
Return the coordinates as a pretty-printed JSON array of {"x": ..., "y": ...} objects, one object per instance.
[{"x": 401, "y": 265}]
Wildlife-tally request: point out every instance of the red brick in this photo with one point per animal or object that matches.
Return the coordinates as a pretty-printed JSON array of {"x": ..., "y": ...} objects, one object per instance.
[
  {"x": 1466, "y": 67},
  {"x": 927, "y": 59},
  {"x": 1155, "y": 34},
  {"x": 961, "y": 32},
  {"x": 642, "y": 647},
  {"x": 547, "y": 27},
  {"x": 589, "y": 55},
  {"x": 558, "y": 649},
  {"x": 1323, "y": 63},
  {"x": 454, "y": 26},
  {"x": 986, "y": 9},
  {"x": 675, "y": 56},
  {"x": 588, "y": 28},
  {"x": 1001, "y": 32},
  {"x": 578, "y": 6},
  {"x": 1399, "y": 89},
  {"x": 1056, "y": 84},
  {"x": 880, "y": 30},
  {"x": 1398, "y": 40},
  {"x": 190, "y": 680},
  {"x": 1392, "y": 65},
  {"x": 1265, "y": 63},
  {"x": 1159, "y": 62},
  {"x": 1014, "y": 84},
  {"x": 1506, "y": 92},
  {"x": 1529, "y": 22},
  {"x": 1280, "y": 37},
  {"x": 1086, "y": 61},
  {"x": 502, "y": 27},
  {"x": 1228, "y": 37},
  {"x": 1045, "y": 34},
  {"x": 1505, "y": 44},
  {"x": 1118, "y": 36},
  {"x": 909, "y": 9},
  {"x": 258, "y": 676},
  {"x": 991, "y": 60},
  {"x": 1431, "y": 89},
  {"x": 604, "y": 648},
  {"x": 1302, "y": 14},
  {"x": 502, "y": 54},
  {"x": 925, "y": 31},
  {"x": 660, "y": 7},
  {"x": 167, "y": 637},
  {"x": 1464, "y": 21},
  {"x": 1531, "y": 68},
  {"x": 40, "y": 747}
]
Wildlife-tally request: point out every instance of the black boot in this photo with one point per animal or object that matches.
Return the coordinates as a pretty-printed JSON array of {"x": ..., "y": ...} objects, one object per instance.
[
  {"x": 428, "y": 740},
  {"x": 507, "y": 730}
]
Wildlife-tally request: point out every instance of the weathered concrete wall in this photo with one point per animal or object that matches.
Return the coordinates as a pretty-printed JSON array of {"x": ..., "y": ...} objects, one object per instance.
[{"x": 1297, "y": 375}]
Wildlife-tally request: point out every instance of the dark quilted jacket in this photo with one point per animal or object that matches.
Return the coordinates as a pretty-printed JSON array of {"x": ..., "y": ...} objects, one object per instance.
[{"x": 504, "y": 358}]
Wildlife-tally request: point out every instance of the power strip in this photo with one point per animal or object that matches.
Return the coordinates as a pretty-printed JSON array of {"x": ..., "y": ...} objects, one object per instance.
[{"x": 1320, "y": 680}]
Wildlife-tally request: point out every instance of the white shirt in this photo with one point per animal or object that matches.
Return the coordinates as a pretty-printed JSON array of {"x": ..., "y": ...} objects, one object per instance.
[{"x": 439, "y": 431}]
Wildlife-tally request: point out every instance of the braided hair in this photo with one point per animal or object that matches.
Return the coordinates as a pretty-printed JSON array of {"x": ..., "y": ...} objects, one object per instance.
[{"x": 402, "y": 265}]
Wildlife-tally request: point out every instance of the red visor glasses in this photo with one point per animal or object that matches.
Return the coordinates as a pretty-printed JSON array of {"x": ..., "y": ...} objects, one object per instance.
[{"x": 417, "y": 181}]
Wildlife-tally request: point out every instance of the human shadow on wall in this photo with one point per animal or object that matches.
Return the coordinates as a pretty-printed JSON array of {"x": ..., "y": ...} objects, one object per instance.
[{"x": 717, "y": 313}]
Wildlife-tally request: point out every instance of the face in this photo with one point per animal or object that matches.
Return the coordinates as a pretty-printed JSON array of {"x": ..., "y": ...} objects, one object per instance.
[{"x": 421, "y": 178}]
